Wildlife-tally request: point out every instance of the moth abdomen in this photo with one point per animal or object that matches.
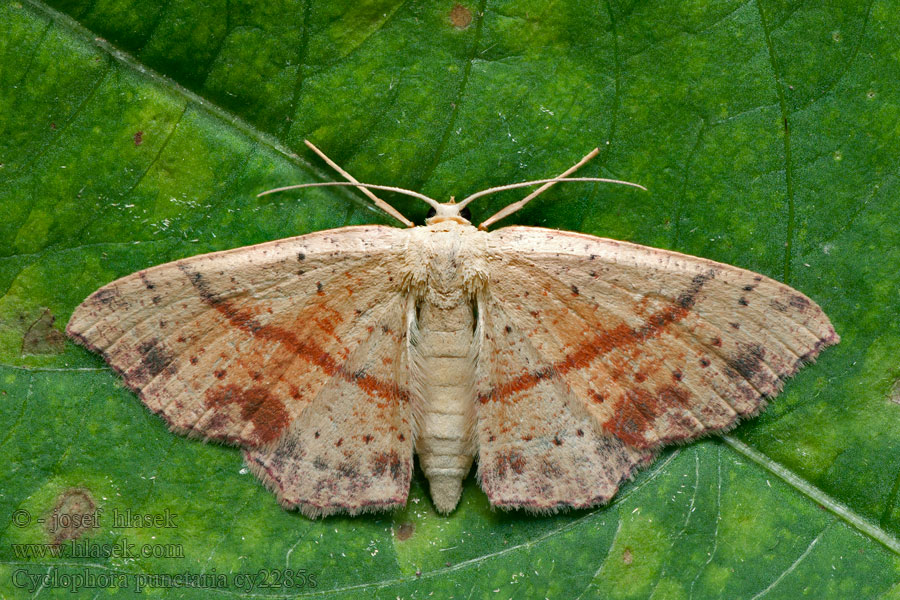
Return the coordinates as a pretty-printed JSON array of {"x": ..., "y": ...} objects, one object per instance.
[{"x": 443, "y": 358}]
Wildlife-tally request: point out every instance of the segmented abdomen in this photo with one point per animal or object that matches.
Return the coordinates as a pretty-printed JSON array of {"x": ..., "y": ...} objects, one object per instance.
[{"x": 445, "y": 363}]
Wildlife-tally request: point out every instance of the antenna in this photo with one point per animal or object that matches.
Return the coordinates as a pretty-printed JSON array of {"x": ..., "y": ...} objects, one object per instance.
[
  {"x": 363, "y": 187},
  {"x": 548, "y": 183},
  {"x": 371, "y": 186}
]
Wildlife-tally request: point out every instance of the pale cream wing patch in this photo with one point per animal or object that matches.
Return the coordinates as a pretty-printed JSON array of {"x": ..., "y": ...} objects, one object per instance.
[
  {"x": 654, "y": 346},
  {"x": 244, "y": 345}
]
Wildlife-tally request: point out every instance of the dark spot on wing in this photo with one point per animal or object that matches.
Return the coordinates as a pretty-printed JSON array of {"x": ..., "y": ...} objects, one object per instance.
[
  {"x": 509, "y": 460},
  {"x": 257, "y": 406},
  {"x": 154, "y": 360},
  {"x": 800, "y": 303},
  {"x": 749, "y": 362},
  {"x": 388, "y": 462}
]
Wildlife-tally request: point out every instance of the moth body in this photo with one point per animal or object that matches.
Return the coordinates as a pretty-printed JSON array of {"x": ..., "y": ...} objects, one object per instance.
[{"x": 443, "y": 333}]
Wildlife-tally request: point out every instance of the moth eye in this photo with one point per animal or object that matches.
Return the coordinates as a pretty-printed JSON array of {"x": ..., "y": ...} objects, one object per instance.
[{"x": 431, "y": 213}]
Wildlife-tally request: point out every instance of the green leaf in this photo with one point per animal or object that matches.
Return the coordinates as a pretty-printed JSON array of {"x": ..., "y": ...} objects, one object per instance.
[{"x": 134, "y": 133}]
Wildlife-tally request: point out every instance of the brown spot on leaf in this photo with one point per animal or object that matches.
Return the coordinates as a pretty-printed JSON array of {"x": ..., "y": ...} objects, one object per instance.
[
  {"x": 405, "y": 531},
  {"x": 460, "y": 16},
  {"x": 627, "y": 556},
  {"x": 138, "y": 138},
  {"x": 41, "y": 337},
  {"x": 74, "y": 513}
]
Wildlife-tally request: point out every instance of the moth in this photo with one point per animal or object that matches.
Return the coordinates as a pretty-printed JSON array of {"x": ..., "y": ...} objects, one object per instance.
[{"x": 563, "y": 361}]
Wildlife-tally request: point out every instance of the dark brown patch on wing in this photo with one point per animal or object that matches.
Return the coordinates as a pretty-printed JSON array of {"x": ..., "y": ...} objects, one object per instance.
[
  {"x": 108, "y": 296},
  {"x": 388, "y": 462},
  {"x": 636, "y": 412},
  {"x": 799, "y": 302},
  {"x": 749, "y": 363},
  {"x": 154, "y": 358},
  {"x": 257, "y": 404},
  {"x": 512, "y": 460}
]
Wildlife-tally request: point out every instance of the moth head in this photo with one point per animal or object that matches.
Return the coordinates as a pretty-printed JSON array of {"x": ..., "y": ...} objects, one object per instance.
[{"x": 449, "y": 211}]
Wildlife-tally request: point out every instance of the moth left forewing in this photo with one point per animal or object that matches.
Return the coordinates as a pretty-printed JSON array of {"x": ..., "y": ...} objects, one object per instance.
[
  {"x": 240, "y": 345},
  {"x": 655, "y": 346}
]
